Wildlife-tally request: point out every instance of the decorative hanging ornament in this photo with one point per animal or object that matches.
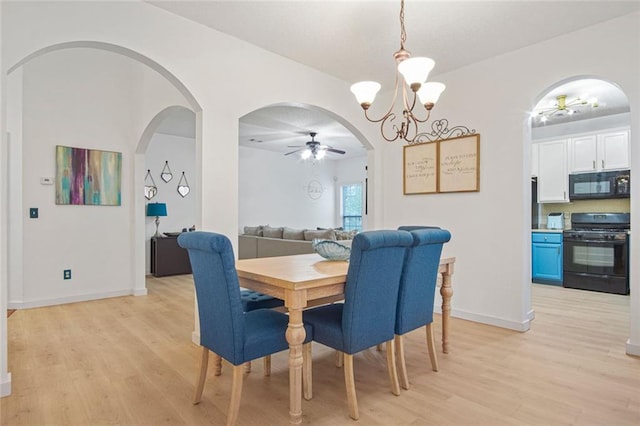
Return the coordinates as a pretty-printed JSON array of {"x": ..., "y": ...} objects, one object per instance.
[
  {"x": 150, "y": 188},
  {"x": 166, "y": 174},
  {"x": 183, "y": 186}
]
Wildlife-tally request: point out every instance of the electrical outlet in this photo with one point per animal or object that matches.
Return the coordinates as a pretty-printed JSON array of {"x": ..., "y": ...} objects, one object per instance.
[
  {"x": 33, "y": 212},
  {"x": 67, "y": 274}
]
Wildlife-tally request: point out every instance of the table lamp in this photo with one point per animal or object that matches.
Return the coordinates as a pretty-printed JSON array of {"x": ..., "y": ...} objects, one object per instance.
[{"x": 157, "y": 210}]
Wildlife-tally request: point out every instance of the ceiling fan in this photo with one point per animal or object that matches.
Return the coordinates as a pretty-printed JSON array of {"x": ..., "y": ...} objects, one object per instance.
[{"x": 314, "y": 149}]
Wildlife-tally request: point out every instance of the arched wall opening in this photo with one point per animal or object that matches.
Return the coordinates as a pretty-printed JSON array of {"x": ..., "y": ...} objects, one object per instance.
[
  {"x": 586, "y": 120},
  {"x": 142, "y": 126},
  {"x": 294, "y": 192}
]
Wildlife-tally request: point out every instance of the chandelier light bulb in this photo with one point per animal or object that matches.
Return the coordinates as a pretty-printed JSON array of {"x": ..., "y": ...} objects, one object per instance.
[
  {"x": 320, "y": 154},
  {"x": 430, "y": 92},
  {"x": 365, "y": 92},
  {"x": 305, "y": 154},
  {"x": 416, "y": 71}
]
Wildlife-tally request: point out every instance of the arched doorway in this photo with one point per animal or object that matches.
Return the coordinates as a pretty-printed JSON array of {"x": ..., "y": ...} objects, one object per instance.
[
  {"x": 577, "y": 128},
  {"x": 272, "y": 139},
  {"x": 133, "y": 175}
]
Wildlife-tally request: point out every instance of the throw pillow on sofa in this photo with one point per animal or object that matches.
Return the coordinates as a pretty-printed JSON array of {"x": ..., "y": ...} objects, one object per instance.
[
  {"x": 346, "y": 235},
  {"x": 292, "y": 234},
  {"x": 269, "y": 232},
  {"x": 256, "y": 231},
  {"x": 328, "y": 234}
]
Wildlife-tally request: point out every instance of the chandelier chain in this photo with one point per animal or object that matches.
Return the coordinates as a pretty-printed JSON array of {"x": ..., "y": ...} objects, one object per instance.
[{"x": 403, "y": 32}]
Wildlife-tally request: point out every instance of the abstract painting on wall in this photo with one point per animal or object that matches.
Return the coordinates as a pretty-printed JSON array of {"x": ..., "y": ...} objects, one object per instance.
[{"x": 88, "y": 176}]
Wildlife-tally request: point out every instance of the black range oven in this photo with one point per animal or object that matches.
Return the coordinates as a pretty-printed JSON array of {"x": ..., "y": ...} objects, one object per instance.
[{"x": 596, "y": 252}]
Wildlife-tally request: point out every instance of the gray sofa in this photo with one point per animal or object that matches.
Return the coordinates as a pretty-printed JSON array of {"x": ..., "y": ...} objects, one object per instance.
[{"x": 266, "y": 241}]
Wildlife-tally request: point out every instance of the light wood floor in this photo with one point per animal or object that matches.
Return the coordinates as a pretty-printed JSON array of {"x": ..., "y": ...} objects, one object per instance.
[{"x": 130, "y": 361}]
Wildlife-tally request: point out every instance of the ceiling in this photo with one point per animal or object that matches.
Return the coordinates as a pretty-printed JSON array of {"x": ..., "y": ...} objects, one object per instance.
[
  {"x": 284, "y": 128},
  {"x": 611, "y": 100},
  {"x": 355, "y": 40}
]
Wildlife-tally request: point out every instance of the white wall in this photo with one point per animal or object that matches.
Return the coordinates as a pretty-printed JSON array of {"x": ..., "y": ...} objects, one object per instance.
[
  {"x": 5, "y": 376},
  {"x": 96, "y": 95},
  {"x": 490, "y": 228},
  {"x": 181, "y": 212},
  {"x": 79, "y": 103},
  {"x": 274, "y": 190}
]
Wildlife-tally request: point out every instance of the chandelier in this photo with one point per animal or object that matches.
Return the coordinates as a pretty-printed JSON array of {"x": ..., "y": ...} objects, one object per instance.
[
  {"x": 412, "y": 73},
  {"x": 562, "y": 107}
]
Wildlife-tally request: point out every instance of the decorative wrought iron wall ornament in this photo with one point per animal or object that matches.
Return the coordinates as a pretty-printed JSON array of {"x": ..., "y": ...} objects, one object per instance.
[
  {"x": 150, "y": 188},
  {"x": 183, "y": 186},
  {"x": 440, "y": 130},
  {"x": 166, "y": 174}
]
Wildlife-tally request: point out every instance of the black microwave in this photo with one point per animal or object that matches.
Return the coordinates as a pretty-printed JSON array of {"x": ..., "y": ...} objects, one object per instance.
[{"x": 586, "y": 186}]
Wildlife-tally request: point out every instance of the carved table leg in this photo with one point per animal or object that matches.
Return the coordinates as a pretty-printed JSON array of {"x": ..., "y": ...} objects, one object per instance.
[
  {"x": 295, "y": 302},
  {"x": 446, "y": 292}
]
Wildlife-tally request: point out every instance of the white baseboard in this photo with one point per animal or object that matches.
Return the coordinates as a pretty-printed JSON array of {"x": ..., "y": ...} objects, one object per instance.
[
  {"x": 5, "y": 386},
  {"x": 531, "y": 315},
  {"x": 497, "y": 322},
  {"x": 195, "y": 338},
  {"x": 140, "y": 292},
  {"x": 68, "y": 299},
  {"x": 632, "y": 349}
]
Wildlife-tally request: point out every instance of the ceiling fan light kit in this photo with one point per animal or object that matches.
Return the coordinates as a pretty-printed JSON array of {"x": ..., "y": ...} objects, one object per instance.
[
  {"x": 314, "y": 149},
  {"x": 414, "y": 72}
]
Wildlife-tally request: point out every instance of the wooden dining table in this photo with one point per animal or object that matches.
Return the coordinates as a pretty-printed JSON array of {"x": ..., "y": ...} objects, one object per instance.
[{"x": 307, "y": 280}]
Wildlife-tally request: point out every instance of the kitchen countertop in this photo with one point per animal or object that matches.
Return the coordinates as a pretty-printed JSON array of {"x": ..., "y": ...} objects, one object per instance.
[{"x": 548, "y": 230}]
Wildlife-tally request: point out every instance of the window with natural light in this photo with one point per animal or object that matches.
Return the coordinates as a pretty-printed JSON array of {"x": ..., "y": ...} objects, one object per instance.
[{"x": 351, "y": 207}]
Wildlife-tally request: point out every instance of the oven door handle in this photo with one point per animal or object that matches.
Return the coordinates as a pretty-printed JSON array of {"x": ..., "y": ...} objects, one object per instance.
[{"x": 576, "y": 240}]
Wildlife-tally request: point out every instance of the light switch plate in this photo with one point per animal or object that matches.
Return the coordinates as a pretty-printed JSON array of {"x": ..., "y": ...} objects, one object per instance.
[{"x": 46, "y": 181}]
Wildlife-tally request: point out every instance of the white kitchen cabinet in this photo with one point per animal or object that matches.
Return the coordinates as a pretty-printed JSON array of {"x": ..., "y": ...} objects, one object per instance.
[
  {"x": 553, "y": 179},
  {"x": 599, "y": 152},
  {"x": 583, "y": 152},
  {"x": 613, "y": 150}
]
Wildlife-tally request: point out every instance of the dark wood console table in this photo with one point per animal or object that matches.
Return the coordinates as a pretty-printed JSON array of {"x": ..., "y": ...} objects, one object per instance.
[{"x": 168, "y": 258}]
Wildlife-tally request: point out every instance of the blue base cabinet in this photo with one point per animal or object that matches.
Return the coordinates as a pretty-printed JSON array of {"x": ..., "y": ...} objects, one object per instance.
[{"x": 546, "y": 257}]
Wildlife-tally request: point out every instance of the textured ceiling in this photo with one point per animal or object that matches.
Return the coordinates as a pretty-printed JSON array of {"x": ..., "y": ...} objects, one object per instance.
[{"x": 355, "y": 40}]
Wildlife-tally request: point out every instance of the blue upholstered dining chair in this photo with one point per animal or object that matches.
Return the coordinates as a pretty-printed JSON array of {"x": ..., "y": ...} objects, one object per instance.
[
  {"x": 225, "y": 329},
  {"x": 367, "y": 316},
  {"x": 417, "y": 292}
]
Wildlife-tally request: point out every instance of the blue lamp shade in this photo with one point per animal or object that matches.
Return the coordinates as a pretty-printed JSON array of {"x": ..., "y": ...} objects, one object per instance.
[{"x": 156, "y": 209}]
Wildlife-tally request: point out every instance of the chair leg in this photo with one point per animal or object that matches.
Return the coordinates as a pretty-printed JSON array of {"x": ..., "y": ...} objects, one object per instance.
[
  {"x": 391, "y": 366},
  {"x": 431, "y": 344},
  {"x": 339, "y": 359},
  {"x": 247, "y": 367},
  {"x": 350, "y": 383},
  {"x": 204, "y": 362},
  {"x": 217, "y": 364},
  {"x": 267, "y": 365},
  {"x": 307, "y": 372},
  {"x": 379, "y": 347},
  {"x": 236, "y": 393},
  {"x": 402, "y": 366}
]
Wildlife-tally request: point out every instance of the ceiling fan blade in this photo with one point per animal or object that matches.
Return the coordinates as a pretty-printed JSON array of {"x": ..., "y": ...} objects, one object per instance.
[
  {"x": 294, "y": 146},
  {"x": 337, "y": 151},
  {"x": 293, "y": 152}
]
